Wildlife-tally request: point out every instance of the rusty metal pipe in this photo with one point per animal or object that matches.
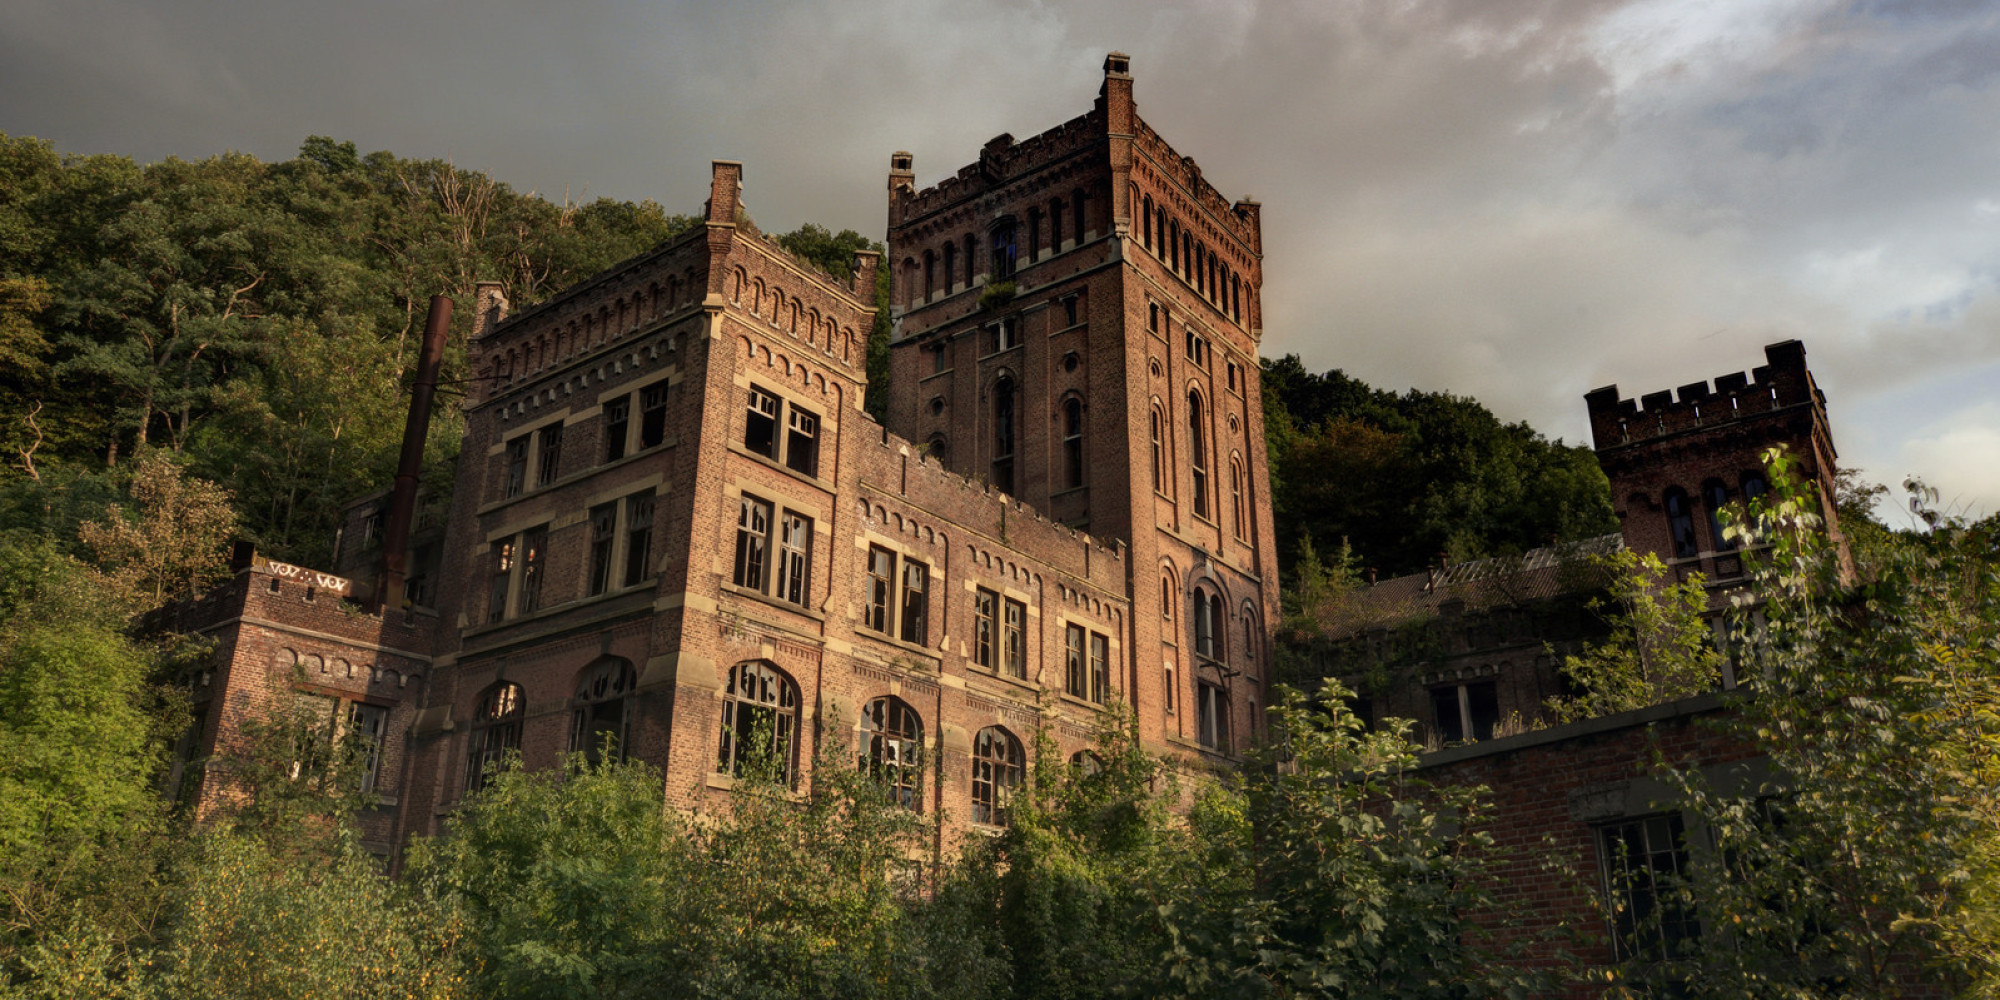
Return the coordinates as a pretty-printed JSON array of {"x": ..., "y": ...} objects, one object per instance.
[{"x": 403, "y": 502}]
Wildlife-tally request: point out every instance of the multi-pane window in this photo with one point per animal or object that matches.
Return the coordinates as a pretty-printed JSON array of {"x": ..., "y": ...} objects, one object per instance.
[
  {"x": 517, "y": 466},
  {"x": 799, "y": 449},
  {"x": 1680, "y": 523},
  {"x": 996, "y": 772},
  {"x": 496, "y": 730},
  {"x": 603, "y": 536},
  {"x": 1075, "y": 679},
  {"x": 1197, "y": 348},
  {"x": 617, "y": 421},
  {"x": 369, "y": 724},
  {"x": 1005, "y": 335},
  {"x": 1238, "y": 503},
  {"x": 1212, "y": 715},
  {"x": 1198, "y": 453},
  {"x": 1469, "y": 711},
  {"x": 881, "y": 589},
  {"x": 1100, "y": 668},
  {"x": 1714, "y": 497},
  {"x": 1207, "y": 623},
  {"x": 753, "y": 543},
  {"x": 534, "y": 566},
  {"x": 760, "y": 721},
  {"x": 638, "y": 537},
  {"x": 795, "y": 533},
  {"x": 1003, "y": 251},
  {"x": 892, "y": 750},
  {"x": 502, "y": 581},
  {"x": 1003, "y": 435},
  {"x": 602, "y": 717},
  {"x": 1014, "y": 633},
  {"x": 548, "y": 454},
  {"x": 653, "y": 415},
  {"x": 985, "y": 626},
  {"x": 1645, "y": 865},
  {"x": 1072, "y": 442},
  {"x": 916, "y": 600}
]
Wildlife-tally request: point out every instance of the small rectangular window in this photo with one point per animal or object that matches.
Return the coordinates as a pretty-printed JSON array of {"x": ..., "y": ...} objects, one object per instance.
[
  {"x": 881, "y": 589},
  {"x": 653, "y": 415},
  {"x": 548, "y": 457},
  {"x": 1069, "y": 310},
  {"x": 802, "y": 442},
  {"x": 916, "y": 603},
  {"x": 603, "y": 534},
  {"x": 534, "y": 559},
  {"x": 1170, "y": 687},
  {"x": 503, "y": 578},
  {"x": 753, "y": 543},
  {"x": 1016, "y": 636},
  {"x": 760, "y": 424},
  {"x": 1153, "y": 316},
  {"x": 1100, "y": 668},
  {"x": 638, "y": 537},
  {"x": 1007, "y": 334},
  {"x": 517, "y": 466},
  {"x": 617, "y": 418},
  {"x": 985, "y": 625},
  {"x": 795, "y": 535},
  {"x": 938, "y": 359}
]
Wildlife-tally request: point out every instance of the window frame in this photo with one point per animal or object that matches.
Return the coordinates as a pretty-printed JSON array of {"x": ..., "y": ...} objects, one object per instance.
[
  {"x": 497, "y": 722},
  {"x": 892, "y": 754},
  {"x": 997, "y": 770},
  {"x": 753, "y": 687}
]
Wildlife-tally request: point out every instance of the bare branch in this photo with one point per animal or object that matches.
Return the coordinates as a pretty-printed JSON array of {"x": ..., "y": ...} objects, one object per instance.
[{"x": 28, "y": 453}]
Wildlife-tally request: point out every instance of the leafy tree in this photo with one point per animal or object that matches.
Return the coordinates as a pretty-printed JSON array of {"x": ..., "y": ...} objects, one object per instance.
[
  {"x": 834, "y": 254},
  {"x": 1867, "y": 865},
  {"x": 173, "y": 544},
  {"x": 1660, "y": 650}
]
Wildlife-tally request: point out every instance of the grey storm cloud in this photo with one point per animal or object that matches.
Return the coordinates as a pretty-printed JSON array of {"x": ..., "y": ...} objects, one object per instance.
[{"x": 1517, "y": 202}]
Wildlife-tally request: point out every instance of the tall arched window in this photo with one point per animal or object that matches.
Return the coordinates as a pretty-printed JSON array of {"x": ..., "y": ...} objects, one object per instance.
[
  {"x": 602, "y": 709},
  {"x": 760, "y": 721},
  {"x": 1003, "y": 434},
  {"x": 968, "y": 260},
  {"x": 1169, "y": 596},
  {"x": 1198, "y": 452},
  {"x": 1754, "y": 486},
  {"x": 1680, "y": 523},
  {"x": 496, "y": 730},
  {"x": 996, "y": 772},
  {"x": 1072, "y": 442},
  {"x": 1208, "y": 623},
  {"x": 930, "y": 271},
  {"x": 892, "y": 750},
  {"x": 1714, "y": 497},
  {"x": 1004, "y": 251},
  {"x": 1253, "y": 638},
  {"x": 1238, "y": 500},
  {"x": 1159, "y": 432}
]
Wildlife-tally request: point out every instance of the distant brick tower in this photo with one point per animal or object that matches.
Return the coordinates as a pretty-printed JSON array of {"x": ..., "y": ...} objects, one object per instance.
[
  {"x": 1676, "y": 458},
  {"x": 1075, "y": 321}
]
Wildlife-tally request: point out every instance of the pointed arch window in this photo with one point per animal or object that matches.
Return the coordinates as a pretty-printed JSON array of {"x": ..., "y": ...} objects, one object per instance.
[
  {"x": 1198, "y": 452},
  {"x": 1714, "y": 497},
  {"x": 996, "y": 773},
  {"x": 1239, "y": 504},
  {"x": 603, "y": 710},
  {"x": 760, "y": 721},
  {"x": 1680, "y": 523},
  {"x": 1159, "y": 450},
  {"x": 892, "y": 750},
  {"x": 496, "y": 731}
]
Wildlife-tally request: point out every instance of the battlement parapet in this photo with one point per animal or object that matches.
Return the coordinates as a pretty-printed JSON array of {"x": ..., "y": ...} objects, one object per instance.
[
  {"x": 1242, "y": 219},
  {"x": 1781, "y": 383},
  {"x": 1000, "y": 161}
]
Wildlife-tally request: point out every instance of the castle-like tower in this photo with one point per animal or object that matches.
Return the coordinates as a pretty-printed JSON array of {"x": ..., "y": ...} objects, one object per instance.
[{"x": 1076, "y": 322}]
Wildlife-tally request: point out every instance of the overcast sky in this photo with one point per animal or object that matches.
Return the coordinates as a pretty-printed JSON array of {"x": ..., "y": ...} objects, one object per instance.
[{"x": 1517, "y": 201}]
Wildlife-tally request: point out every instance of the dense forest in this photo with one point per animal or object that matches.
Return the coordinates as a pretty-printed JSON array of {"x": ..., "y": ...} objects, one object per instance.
[{"x": 192, "y": 352}]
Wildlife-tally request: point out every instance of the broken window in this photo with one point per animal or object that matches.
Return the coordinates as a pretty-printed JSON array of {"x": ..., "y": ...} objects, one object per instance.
[
  {"x": 603, "y": 534},
  {"x": 802, "y": 442},
  {"x": 503, "y": 577},
  {"x": 496, "y": 731},
  {"x": 1680, "y": 523},
  {"x": 1074, "y": 680},
  {"x": 1072, "y": 442},
  {"x": 753, "y": 543},
  {"x": 1644, "y": 862},
  {"x": 653, "y": 415},
  {"x": 517, "y": 466},
  {"x": 760, "y": 720},
  {"x": 1207, "y": 623},
  {"x": 881, "y": 589},
  {"x": 1212, "y": 712},
  {"x": 534, "y": 556},
  {"x": 638, "y": 537},
  {"x": 985, "y": 625},
  {"x": 1100, "y": 668},
  {"x": 369, "y": 726},
  {"x": 795, "y": 533},
  {"x": 603, "y": 710},
  {"x": 548, "y": 454},
  {"x": 760, "y": 424},
  {"x": 916, "y": 600},
  {"x": 892, "y": 740},
  {"x": 1016, "y": 635},
  {"x": 1468, "y": 711},
  {"x": 996, "y": 773},
  {"x": 617, "y": 418}
]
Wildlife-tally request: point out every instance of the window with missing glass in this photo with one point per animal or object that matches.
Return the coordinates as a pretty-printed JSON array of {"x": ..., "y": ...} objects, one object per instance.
[
  {"x": 369, "y": 725},
  {"x": 638, "y": 537},
  {"x": 915, "y": 600},
  {"x": 603, "y": 539},
  {"x": 653, "y": 415},
  {"x": 617, "y": 424},
  {"x": 1644, "y": 864},
  {"x": 1468, "y": 711},
  {"x": 760, "y": 721},
  {"x": 996, "y": 773},
  {"x": 892, "y": 750},
  {"x": 601, "y": 711},
  {"x": 1015, "y": 637},
  {"x": 516, "y": 473},
  {"x": 985, "y": 626},
  {"x": 494, "y": 733}
]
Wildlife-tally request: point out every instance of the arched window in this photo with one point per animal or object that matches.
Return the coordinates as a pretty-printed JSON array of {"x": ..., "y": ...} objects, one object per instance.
[
  {"x": 1168, "y": 597},
  {"x": 1253, "y": 637},
  {"x": 892, "y": 750},
  {"x": 1714, "y": 497},
  {"x": 1003, "y": 434},
  {"x": 1072, "y": 442},
  {"x": 996, "y": 772},
  {"x": 1754, "y": 487},
  {"x": 1198, "y": 452},
  {"x": 1146, "y": 223},
  {"x": 1238, "y": 502},
  {"x": 496, "y": 730},
  {"x": 1159, "y": 450},
  {"x": 603, "y": 709},
  {"x": 1085, "y": 764},
  {"x": 938, "y": 448},
  {"x": 1004, "y": 251},
  {"x": 760, "y": 721},
  {"x": 1207, "y": 623},
  {"x": 1680, "y": 523}
]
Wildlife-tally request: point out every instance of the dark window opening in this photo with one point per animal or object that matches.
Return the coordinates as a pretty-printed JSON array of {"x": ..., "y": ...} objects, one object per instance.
[
  {"x": 548, "y": 458},
  {"x": 795, "y": 533},
  {"x": 496, "y": 731},
  {"x": 370, "y": 726},
  {"x": 1016, "y": 636},
  {"x": 1075, "y": 680},
  {"x": 996, "y": 773},
  {"x": 802, "y": 442},
  {"x": 753, "y": 543},
  {"x": 1212, "y": 714},
  {"x": 1100, "y": 668},
  {"x": 881, "y": 589},
  {"x": 760, "y": 424},
  {"x": 1714, "y": 497},
  {"x": 603, "y": 534},
  {"x": 617, "y": 417},
  {"x": 503, "y": 578},
  {"x": 985, "y": 625},
  {"x": 1003, "y": 251},
  {"x": 653, "y": 415},
  {"x": 517, "y": 466},
  {"x": 638, "y": 537},
  {"x": 1003, "y": 435},
  {"x": 916, "y": 601},
  {"x": 1645, "y": 864},
  {"x": 1680, "y": 523},
  {"x": 760, "y": 721},
  {"x": 534, "y": 556},
  {"x": 892, "y": 750},
  {"x": 602, "y": 716},
  {"x": 1198, "y": 454},
  {"x": 1463, "y": 712},
  {"x": 1072, "y": 443}
]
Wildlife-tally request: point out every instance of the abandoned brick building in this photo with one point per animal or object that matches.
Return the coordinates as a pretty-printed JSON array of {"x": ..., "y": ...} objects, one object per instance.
[
  {"x": 674, "y": 524},
  {"x": 674, "y": 530}
]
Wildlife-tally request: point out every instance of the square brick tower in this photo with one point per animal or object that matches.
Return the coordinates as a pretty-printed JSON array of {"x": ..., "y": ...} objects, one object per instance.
[
  {"x": 1075, "y": 323},
  {"x": 1676, "y": 458}
]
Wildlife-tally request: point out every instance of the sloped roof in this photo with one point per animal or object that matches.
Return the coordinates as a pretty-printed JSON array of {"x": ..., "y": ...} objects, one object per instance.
[{"x": 1482, "y": 584}]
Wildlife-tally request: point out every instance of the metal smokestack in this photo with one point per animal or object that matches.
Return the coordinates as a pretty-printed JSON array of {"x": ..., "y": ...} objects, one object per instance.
[{"x": 403, "y": 503}]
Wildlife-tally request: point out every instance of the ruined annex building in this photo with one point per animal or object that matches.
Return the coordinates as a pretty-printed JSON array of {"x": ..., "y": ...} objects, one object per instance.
[{"x": 674, "y": 525}]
